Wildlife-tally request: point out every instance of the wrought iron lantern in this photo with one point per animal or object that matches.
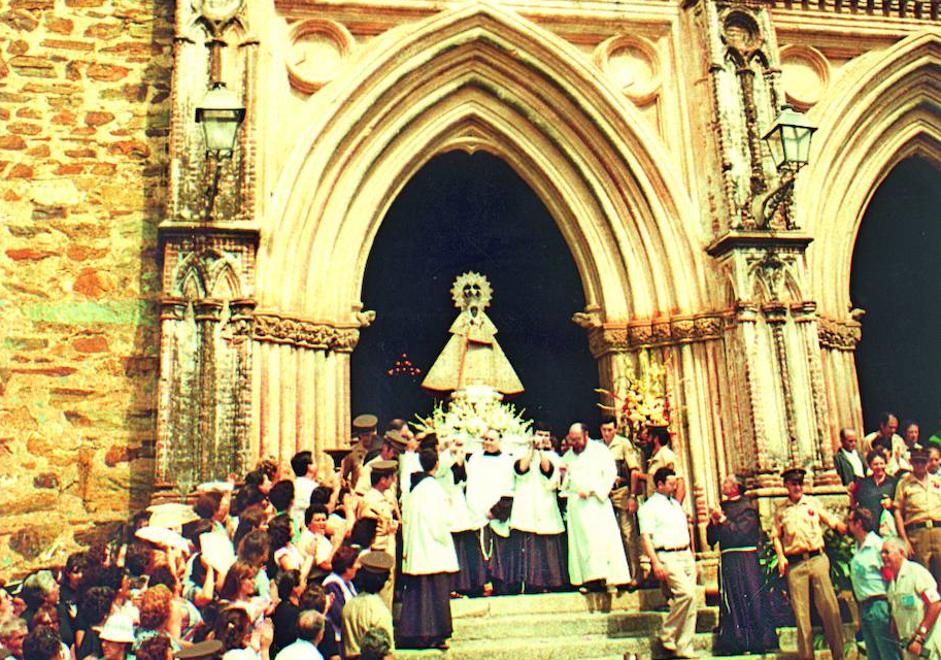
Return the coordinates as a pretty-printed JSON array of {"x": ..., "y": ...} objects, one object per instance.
[{"x": 220, "y": 114}]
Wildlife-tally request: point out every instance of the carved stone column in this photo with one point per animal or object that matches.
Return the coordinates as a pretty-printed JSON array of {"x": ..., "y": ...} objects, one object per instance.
[{"x": 690, "y": 350}]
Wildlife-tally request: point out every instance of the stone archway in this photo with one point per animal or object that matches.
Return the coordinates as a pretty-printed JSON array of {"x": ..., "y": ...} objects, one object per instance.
[
  {"x": 473, "y": 79},
  {"x": 887, "y": 113}
]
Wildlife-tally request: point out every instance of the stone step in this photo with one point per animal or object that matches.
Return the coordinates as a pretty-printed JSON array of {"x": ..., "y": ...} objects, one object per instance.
[
  {"x": 560, "y": 648},
  {"x": 569, "y": 624},
  {"x": 593, "y": 647},
  {"x": 644, "y": 600}
]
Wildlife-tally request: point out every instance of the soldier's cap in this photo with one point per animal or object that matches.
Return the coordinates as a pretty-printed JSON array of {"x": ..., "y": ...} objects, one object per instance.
[
  {"x": 395, "y": 438},
  {"x": 365, "y": 422},
  {"x": 377, "y": 562},
  {"x": 919, "y": 453},
  {"x": 384, "y": 467},
  {"x": 795, "y": 474},
  {"x": 211, "y": 648}
]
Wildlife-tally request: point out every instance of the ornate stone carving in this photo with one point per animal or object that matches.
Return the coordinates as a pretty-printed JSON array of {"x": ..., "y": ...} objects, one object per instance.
[
  {"x": 218, "y": 12},
  {"x": 589, "y": 319},
  {"x": 279, "y": 329},
  {"x": 740, "y": 31},
  {"x": 633, "y": 65},
  {"x": 318, "y": 48},
  {"x": 615, "y": 337},
  {"x": 839, "y": 335}
]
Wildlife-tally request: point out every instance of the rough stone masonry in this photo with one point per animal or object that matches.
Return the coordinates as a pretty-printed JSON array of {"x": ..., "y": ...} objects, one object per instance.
[{"x": 84, "y": 123}]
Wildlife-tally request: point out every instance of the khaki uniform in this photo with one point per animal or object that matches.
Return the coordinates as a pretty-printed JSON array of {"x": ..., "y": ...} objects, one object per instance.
[
  {"x": 624, "y": 453},
  {"x": 798, "y": 526},
  {"x": 383, "y": 508},
  {"x": 665, "y": 457},
  {"x": 919, "y": 505},
  {"x": 352, "y": 464},
  {"x": 363, "y": 612}
]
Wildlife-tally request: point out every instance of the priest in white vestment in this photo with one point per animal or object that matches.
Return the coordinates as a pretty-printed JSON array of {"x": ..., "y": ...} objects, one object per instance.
[
  {"x": 596, "y": 554},
  {"x": 428, "y": 560}
]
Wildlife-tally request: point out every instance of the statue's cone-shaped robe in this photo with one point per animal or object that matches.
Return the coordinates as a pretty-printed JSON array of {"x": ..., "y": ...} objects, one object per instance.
[{"x": 472, "y": 357}]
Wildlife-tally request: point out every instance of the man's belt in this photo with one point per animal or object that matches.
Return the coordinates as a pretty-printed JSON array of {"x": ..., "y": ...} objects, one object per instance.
[
  {"x": 873, "y": 599},
  {"x": 925, "y": 524},
  {"x": 798, "y": 557},
  {"x": 677, "y": 549}
]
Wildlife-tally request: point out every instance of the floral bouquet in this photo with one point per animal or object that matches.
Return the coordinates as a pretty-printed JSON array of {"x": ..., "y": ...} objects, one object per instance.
[
  {"x": 645, "y": 402},
  {"x": 470, "y": 413}
]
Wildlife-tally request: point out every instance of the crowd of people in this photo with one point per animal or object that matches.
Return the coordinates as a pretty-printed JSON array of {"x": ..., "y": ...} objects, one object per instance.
[
  {"x": 310, "y": 564},
  {"x": 894, "y": 521}
]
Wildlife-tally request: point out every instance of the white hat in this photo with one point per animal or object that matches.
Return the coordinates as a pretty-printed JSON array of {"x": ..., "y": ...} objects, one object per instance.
[
  {"x": 215, "y": 487},
  {"x": 117, "y": 628},
  {"x": 165, "y": 538}
]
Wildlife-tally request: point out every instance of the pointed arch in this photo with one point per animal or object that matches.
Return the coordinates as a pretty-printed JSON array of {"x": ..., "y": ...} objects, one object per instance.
[
  {"x": 890, "y": 110},
  {"x": 474, "y": 78}
]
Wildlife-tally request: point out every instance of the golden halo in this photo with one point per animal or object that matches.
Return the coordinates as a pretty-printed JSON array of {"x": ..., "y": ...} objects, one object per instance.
[{"x": 457, "y": 291}]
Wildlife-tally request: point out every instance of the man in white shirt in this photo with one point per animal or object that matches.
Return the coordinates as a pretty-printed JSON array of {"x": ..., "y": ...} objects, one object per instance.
[
  {"x": 915, "y": 602},
  {"x": 305, "y": 481},
  {"x": 664, "y": 535},
  {"x": 310, "y": 625}
]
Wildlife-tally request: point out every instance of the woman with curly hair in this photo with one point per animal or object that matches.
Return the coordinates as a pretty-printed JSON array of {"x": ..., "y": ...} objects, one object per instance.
[
  {"x": 158, "y": 647},
  {"x": 156, "y": 607},
  {"x": 285, "y": 556}
]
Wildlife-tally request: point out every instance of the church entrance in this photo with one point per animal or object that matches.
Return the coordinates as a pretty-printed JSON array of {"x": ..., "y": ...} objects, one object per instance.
[
  {"x": 462, "y": 213},
  {"x": 896, "y": 279}
]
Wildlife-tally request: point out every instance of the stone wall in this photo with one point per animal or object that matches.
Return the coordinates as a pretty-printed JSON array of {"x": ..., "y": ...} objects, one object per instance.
[{"x": 84, "y": 123}]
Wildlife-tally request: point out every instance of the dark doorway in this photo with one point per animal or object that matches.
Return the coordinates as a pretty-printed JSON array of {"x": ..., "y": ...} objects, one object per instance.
[
  {"x": 897, "y": 280},
  {"x": 473, "y": 213}
]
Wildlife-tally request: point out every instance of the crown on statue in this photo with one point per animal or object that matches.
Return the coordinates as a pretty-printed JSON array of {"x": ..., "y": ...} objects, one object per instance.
[{"x": 471, "y": 284}]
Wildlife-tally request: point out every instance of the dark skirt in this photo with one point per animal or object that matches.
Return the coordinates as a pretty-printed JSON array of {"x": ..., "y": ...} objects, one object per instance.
[
  {"x": 745, "y": 622},
  {"x": 472, "y": 575},
  {"x": 426, "y": 609},
  {"x": 543, "y": 560},
  {"x": 504, "y": 564}
]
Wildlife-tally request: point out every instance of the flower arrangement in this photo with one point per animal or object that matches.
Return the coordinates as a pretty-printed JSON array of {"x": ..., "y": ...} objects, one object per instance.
[
  {"x": 471, "y": 412},
  {"x": 645, "y": 402}
]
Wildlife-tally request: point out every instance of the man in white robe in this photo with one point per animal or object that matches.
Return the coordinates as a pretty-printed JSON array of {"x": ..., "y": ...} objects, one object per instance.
[
  {"x": 428, "y": 560},
  {"x": 596, "y": 554}
]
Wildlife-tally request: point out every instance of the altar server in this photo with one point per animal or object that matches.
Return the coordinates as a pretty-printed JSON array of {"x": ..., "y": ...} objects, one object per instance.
[
  {"x": 535, "y": 520},
  {"x": 428, "y": 561},
  {"x": 489, "y": 498}
]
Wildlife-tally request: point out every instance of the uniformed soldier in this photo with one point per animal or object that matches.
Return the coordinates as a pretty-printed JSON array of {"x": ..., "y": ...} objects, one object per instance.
[
  {"x": 364, "y": 431},
  {"x": 627, "y": 459},
  {"x": 798, "y": 542},
  {"x": 379, "y": 503},
  {"x": 918, "y": 513}
]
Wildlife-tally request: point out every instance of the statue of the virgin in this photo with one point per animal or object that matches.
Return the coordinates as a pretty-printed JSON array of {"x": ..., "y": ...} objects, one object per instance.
[{"x": 472, "y": 357}]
